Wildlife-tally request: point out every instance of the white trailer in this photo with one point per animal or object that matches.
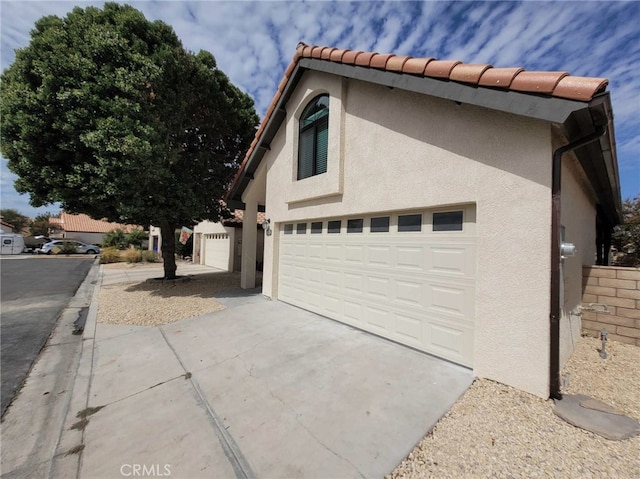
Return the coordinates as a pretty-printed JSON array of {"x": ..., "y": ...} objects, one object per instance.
[{"x": 11, "y": 244}]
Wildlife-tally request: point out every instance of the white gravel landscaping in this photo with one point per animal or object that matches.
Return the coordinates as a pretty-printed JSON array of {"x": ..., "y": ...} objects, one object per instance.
[
  {"x": 157, "y": 303},
  {"x": 497, "y": 431}
]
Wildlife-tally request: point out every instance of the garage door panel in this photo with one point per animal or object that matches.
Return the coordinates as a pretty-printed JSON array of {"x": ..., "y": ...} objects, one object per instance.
[
  {"x": 353, "y": 282},
  {"x": 409, "y": 329},
  {"x": 378, "y": 320},
  {"x": 447, "y": 299},
  {"x": 410, "y": 257},
  {"x": 316, "y": 276},
  {"x": 333, "y": 252},
  {"x": 450, "y": 342},
  {"x": 353, "y": 254},
  {"x": 353, "y": 311},
  {"x": 410, "y": 293},
  {"x": 378, "y": 287},
  {"x": 379, "y": 256},
  {"x": 416, "y": 288},
  {"x": 332, "y": 305},
  {"x": 300, "y": 250},
  {"x": 316, "y": 251}
]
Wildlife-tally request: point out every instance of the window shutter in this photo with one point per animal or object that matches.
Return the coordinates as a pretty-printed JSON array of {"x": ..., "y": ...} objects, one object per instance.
[
  {"x": 305, "y": 155},
  {"x": 322, "y": 146}
]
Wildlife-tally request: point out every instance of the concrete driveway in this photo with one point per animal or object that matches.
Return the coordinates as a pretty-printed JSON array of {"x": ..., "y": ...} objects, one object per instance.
[{"x": 261, "y": 389}]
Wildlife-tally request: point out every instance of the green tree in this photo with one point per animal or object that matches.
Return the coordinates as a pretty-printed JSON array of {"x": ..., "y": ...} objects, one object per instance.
[
  {"x": 15, "y": 218},
  {"x": 626, "y": 237},
  {"x": 40, "y": 225},
  {"x": 106, "y": 113}
]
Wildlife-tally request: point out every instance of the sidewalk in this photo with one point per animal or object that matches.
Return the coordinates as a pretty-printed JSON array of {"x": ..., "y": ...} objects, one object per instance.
[{"x": 260, "y": 389}]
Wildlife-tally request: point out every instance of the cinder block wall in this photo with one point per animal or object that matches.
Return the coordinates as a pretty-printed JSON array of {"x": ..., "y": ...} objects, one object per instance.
[{"x": 619, "y": 288}]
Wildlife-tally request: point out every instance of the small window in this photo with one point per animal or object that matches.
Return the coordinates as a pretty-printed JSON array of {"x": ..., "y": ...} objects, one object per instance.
[
  {"x": 410, "y": 223},
  {"x": 301, "y": 228},
  {"x": 355, "y": 226},
  {"x": 316, "y": 228},
  {"x": 7, "y": 241},
  {"x": 334, "y": 226},
  {"x": 288, "y": 229},
  {"x": 449, "y": 221},
  {"x": 313, "y": 138},
  {"x": 380, "y": 225}
]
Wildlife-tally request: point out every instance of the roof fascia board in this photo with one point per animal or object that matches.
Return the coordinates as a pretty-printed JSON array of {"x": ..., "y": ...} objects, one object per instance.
[
  {"x": 597, "y": 159},
  {"x": 271, "y": 128},
  {"x": 555, "y": 110}
]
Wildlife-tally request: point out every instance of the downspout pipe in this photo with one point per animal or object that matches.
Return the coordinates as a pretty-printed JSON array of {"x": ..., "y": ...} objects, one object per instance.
[{"x": 554, "y": 315}]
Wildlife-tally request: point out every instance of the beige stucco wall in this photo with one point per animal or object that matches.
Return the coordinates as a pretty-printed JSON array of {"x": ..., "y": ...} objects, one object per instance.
[
  {"x": 401, "y": 151},
  {"x": 578, "y": 217}
]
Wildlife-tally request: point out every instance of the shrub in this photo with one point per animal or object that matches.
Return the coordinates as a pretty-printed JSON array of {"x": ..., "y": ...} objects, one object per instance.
[
  {"x": 136, "y": 237},
  {"x": 114, "y": 238},
  {"x": 68, "y": 248},
  {"x": 132, "y": 255},
  {"x": 110, "y": 255},
  {"x": 149, "y": 256}
]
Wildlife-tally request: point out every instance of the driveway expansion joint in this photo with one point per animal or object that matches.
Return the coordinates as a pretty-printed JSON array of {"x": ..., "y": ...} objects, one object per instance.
[{"x": 232, "y": 451}]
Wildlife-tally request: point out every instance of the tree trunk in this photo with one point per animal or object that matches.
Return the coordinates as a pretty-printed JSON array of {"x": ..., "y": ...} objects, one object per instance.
[{"x": 168, "y": 232}]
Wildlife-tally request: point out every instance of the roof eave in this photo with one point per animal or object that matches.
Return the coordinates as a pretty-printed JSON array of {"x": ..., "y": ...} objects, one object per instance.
[
  {"x": 542, "y": 107},
  {"x": 598, "y": 159}
]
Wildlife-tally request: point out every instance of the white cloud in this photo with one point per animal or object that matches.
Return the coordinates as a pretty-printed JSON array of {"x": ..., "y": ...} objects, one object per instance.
[{"x": 253, "y": 42}]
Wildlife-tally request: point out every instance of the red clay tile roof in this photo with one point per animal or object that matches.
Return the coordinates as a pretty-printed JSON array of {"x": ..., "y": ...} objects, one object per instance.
[
  {"x": 554, "y": 84},
  {"x": 238, "y": 215},
  {"x": 4, "y": 223},
  {"x": 86, "y": 224}
]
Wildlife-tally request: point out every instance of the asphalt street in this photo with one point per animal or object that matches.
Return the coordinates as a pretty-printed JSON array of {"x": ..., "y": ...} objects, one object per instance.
[{"x": 34, "y": 291}]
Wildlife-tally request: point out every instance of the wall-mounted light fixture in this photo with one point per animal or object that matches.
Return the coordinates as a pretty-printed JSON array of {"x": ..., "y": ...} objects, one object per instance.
[{"x": 266, "y": 226}]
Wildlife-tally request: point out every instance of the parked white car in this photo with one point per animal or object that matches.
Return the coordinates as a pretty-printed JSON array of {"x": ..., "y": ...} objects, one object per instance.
[{"x": 56, "y": 246}]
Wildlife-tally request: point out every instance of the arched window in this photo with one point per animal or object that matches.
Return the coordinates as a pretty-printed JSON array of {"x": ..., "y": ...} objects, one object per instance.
[{"x": 314, "y": 138}]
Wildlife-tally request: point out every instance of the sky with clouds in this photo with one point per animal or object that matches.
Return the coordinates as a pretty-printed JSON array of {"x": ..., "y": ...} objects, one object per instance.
[{"x": 253, "y": 43}]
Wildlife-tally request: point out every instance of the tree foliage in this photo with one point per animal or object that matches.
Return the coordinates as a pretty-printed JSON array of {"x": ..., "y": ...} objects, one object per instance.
[
  {"x": 40, "y": 225},
  {"x": 626, "y": 237},
  {"x": 106, "y": 113},
  {"x": 15, "y": 218}
]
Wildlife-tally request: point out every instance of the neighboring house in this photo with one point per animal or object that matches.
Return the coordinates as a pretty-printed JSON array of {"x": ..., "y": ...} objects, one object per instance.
[
  {"x": 220, "y": 244},
  {"x": 425, "y": 201},
  {"x": 84, "y": 228},
  {"x": 5, "y": 227}
]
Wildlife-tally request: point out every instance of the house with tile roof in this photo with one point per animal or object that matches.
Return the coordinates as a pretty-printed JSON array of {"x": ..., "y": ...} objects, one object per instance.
[
  {"x": 5, "y": 227},
  {"x": 83, "y": 228},
  {"x": 445, "y": 206}
]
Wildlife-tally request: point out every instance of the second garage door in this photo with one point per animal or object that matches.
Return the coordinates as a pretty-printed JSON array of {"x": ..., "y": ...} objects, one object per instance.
[{"x": 406, "y": 276}]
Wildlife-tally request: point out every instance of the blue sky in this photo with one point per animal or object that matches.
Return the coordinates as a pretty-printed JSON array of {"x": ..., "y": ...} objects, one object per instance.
[{"x": 253, "y": 43}]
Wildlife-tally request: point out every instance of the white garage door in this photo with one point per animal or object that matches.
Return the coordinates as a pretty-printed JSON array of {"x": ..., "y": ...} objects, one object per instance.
[
  {"x": 407, "y": 276},
  {"x": 217, "y": 250}
]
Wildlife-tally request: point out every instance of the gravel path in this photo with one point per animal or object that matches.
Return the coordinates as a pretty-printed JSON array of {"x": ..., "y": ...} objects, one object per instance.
[
  {"x": 156, "y": 303},
  {"x": 497, "y": 431}
]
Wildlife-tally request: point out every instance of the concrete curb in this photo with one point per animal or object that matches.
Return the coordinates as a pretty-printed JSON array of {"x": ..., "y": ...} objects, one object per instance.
[{"x": 66, "y": 464}]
